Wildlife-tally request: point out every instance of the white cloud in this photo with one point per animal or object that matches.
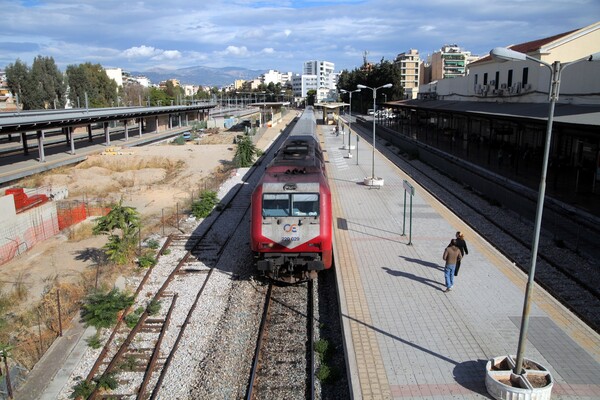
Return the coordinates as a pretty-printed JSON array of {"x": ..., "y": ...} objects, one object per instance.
[
  {"x": 168, "y": 55},
  {"x": 141, "y": 51},
  {"x": 236, "y": 51}
]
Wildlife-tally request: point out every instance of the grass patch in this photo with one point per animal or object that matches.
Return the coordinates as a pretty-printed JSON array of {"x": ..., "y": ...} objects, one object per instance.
[
  {"x": 325, "y": 374},
  {"x": 80, "y": 232}
]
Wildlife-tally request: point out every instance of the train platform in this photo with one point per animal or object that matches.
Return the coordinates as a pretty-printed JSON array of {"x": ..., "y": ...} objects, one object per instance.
[{"x": 407, "y": 338}]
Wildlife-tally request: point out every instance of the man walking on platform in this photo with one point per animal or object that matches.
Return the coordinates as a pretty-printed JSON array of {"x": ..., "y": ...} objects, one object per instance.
[
  {"x": 451, "y": 256},
  {"x": 462, "y": 245}
]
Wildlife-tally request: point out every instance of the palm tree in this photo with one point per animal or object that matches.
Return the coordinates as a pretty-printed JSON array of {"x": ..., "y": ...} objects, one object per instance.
[{"x": 127, "y": 220}]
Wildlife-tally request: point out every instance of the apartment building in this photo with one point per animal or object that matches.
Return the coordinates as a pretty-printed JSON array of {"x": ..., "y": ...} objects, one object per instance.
[
  {"x": 492, "y": 80},
  {"x": 301, "y": 84},
  {"x": 326, "y": 79},
  {"x": 410, "y": 65},
  {"x": 7, "y": 101},
  {"x": 116, "y": 74},
  {"x": 450, "y": 62},
  {"x": 275, "y": 77}
]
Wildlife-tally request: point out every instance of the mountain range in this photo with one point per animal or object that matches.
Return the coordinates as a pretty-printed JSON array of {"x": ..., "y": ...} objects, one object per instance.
[{"x": 199, "y": 75}]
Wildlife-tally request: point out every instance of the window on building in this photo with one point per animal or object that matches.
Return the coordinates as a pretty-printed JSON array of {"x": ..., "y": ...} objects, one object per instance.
[
  {"x": 497, "y": 80},
  {"x": 525, "y": 75},
  {"x": 485, "y": 78},
  {"x": 476, "y": 78},
  {"x": 510, "y": 78}
]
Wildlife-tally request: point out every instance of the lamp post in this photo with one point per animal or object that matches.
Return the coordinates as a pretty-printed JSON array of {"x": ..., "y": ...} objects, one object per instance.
[
  {"x": 349, "y": 119},
  {"x": 556, "y": 68},
  {"x": 388, "y": 85}
]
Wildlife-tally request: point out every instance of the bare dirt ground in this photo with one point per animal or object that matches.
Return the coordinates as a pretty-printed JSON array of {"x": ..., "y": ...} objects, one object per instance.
[{"x": 153, "y": 179}]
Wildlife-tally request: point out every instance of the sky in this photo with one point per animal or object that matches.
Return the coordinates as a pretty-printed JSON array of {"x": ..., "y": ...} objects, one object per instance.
[{"x": 262, "y": 35}]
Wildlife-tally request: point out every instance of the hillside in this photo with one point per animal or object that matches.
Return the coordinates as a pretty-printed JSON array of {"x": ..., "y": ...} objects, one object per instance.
[{"x": 201, "y": 75}]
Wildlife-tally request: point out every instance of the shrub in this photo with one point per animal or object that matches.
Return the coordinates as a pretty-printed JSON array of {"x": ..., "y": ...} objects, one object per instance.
[
  {"x": 321, "y": 347},
  {"x": 147, "y": 260},
  {"x": 94, "y": 341},
  {"x": 132, "y": 318},
  {"x": 152, "y": 244},
  {"x": 323, "y": 373},
  {"x": 203, "y": 207},
  {"x": 153, "y": 307},
  {"x": 100, "y": 309},
  {"x": 83, "y": 389},
  {"x": 244, "y": 155},
  {"x": 108, "y": 382},
  {"x": 129, "y": 363},
  {"x": 179, "y": 141}
]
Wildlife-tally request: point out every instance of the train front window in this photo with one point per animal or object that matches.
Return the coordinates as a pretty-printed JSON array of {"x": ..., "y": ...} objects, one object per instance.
[
  {"x": 276, "y": 205},
  {"x": 305, "y": 204}
]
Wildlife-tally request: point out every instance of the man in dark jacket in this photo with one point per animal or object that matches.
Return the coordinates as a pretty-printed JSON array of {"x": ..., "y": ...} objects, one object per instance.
[{"x": 462, "y": 245}]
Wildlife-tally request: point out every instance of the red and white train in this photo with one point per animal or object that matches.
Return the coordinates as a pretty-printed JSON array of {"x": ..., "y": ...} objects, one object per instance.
[{"x": 291, "y": 222}]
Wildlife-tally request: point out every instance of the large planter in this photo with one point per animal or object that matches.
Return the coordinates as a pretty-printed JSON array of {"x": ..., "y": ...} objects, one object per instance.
[
  {"x": 375, "y": 182},
  {"x": 502, "y": 384}
]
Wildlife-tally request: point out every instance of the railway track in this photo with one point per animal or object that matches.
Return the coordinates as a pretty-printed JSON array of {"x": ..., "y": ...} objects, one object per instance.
[
  {"x": 571, "y": 277},
  {"x": 138, "y": 359},
  {"x": 284, "y": 361}
]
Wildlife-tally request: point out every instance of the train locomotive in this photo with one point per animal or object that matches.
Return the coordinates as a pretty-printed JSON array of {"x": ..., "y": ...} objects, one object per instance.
[{"x": 291, "y": 222}]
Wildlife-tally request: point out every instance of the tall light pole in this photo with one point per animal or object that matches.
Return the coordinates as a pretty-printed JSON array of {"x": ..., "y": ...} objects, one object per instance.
[
  {"x": 388, "y": 85},
  {"x": 349, "y": 119},
  {"x": 556, "y": 68}
]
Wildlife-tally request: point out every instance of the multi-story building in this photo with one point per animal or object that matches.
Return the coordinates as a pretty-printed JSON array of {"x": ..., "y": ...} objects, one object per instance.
[
  {"x": 7, "y": 102},
  {"x": 326, "y": 79},
  {"x": 301, "y": 84},
  {"x": 142, "y": 80},
  {"x": 116, "y": 74},
  {"x": 450, "y": 62},
  {"x": 410, "y": 65},
  {"x": 496, "y": 81}
]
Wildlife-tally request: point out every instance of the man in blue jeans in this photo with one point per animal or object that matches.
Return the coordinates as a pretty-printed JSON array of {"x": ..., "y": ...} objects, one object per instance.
[{"x": 451, "y": 256}]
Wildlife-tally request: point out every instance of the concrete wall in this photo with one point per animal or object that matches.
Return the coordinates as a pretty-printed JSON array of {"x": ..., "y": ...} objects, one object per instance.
[{"x": 20, "y": 232}]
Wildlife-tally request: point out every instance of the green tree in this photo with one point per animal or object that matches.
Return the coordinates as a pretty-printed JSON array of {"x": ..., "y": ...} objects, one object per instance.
[
  {"x": 244, "y": 154},
  {"x": 376, "y": 75},
  {"x": 40, "y": 87},
  {"x": 91, "y": 79},
  {"x": 126, "y": 220},
  {"x": 51, "y": 82},
  {"x": 17, "y": 76},
  {"x": 159, "y": 97},
  {"x": 311, "y": 95},
  {"x": 173, "y": 92}
]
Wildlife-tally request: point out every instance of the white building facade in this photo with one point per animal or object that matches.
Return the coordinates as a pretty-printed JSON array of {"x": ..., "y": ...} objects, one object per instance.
[{"x": 326, "y": 79}]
